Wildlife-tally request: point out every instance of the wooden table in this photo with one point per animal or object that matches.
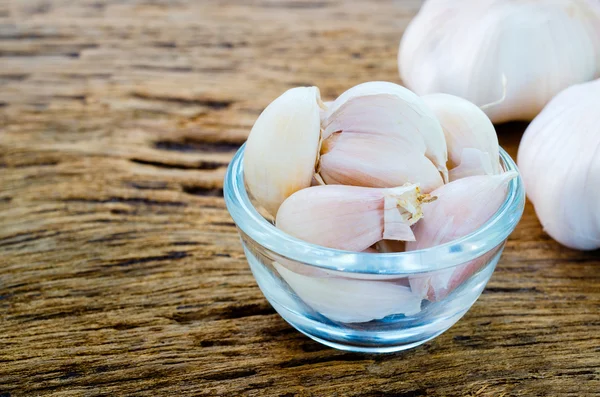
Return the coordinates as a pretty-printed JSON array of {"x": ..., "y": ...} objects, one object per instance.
[{"x": 121, "y": 271}]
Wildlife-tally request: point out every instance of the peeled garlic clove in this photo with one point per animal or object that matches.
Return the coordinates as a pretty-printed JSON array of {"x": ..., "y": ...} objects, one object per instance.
[
  {"x": 350, "y": 300},
  {"x": 464, "y": 47},
  {"x": 281, "y": 151},
  {"x": 370, "y": 160},
  {"x": 465, "y": 126},
  {"x": 560, "y": 163},
  {"x": 473, "y": 162},
  {"x": 383, "y": 108},
  {"x": 350, "y": 218},
  {"x": 461, "y": 207}
]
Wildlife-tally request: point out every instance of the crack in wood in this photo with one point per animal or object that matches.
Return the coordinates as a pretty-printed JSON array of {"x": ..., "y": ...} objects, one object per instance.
[
  {"x": 132, "y": 201},
  {"x": 230, "y": 375},
  {"x": 14, "y": 76},
  {"x": 214, "y": 104},
  {"x": 72, "y": 312},
  {"x": 192, "y": 145},
  {"x": 41, "y": 163},
  {"x": 112, "y": 237},
  {"x": 303, "y": 361},
  {"x": 173, "y": 255},
  {"x": 511, "y": 290},
  {"x": 201, "y": 165},
  {"x": 180, "y": 69},
  {"x": 149, "y": 185},
  {"x": 224, "y": 313},
  {"x": 203, "y": 191},
  {"x": 295, "y": 4},
  {"x": 220, "y": 342},
  {"x": 228, "y": 224},
  {"x": 25, "y": 237}
]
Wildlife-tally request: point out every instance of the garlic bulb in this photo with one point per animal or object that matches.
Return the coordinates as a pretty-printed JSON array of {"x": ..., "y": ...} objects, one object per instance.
[
  {"x": 470, "y": 135},
  {"x": 461, "y": 208},
  {"x": 282, "y": 148},
  {"x": 349, "y": 217},
  {"x": 389, "y": 110},
  {"x": 559, "y": 158},
  {"x": 350, "y": 300},
  {"x": 464, "y": 47}
]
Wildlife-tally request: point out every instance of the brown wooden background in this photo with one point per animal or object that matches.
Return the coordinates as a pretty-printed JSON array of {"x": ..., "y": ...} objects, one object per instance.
[{"x": 121, "y": 272}]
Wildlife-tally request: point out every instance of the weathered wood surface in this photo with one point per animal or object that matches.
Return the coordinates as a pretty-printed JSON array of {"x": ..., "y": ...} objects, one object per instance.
[{"x": 121, "y": 272}]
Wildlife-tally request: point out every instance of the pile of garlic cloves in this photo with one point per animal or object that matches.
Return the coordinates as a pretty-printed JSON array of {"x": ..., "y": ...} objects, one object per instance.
[{"x": 375, "y": 168}]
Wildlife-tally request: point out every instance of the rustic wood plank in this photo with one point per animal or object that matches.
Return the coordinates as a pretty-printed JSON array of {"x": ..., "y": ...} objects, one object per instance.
[{"x": 122, "y": 273}]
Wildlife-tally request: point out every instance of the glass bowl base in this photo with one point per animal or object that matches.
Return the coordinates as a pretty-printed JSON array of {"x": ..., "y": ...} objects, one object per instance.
[
  {"x": 368, "y": 349},
  {"x": 364, "y": 338}
]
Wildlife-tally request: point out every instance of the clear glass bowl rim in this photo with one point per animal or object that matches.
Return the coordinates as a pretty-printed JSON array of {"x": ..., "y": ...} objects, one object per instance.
[{"x": 444, "y": 256}]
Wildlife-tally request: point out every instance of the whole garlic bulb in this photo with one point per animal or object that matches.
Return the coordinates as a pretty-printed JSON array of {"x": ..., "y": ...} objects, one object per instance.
[
  {"x": 465, "y": 47},
  {"x": 559, "y": 158}
]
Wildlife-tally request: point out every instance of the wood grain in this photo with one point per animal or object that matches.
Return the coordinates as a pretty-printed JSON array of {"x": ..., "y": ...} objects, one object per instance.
[{"x": 121, "y": 271}]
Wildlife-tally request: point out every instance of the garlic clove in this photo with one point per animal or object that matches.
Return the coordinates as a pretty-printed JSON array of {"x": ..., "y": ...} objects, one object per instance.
[
  {"x": 558, "y": 158},
  {"x": 464, "y": 47},
  {"x": 435, "y": 286},
  {"x": 350, "y": 300},
  {"x": 473, "y": 162},
  {"x": 282, "y": 147},
  {"x": 383, "y": 108},
  {"x": 465, "y": 126},
  {"x": 361, "y": 159},
  {"x": 349, "y": 217},
  {"x": 461, "y": 207}
]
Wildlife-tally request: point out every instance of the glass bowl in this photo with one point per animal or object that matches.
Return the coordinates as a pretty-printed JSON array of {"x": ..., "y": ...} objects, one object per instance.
[{"x": 369, "y": 302}]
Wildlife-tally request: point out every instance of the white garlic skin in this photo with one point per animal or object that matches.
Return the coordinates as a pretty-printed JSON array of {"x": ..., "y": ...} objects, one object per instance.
[
  {"x": 559, "y": 159},
  {"x": 282, "y": 148},
  {"x": 465, "y": 47}
]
